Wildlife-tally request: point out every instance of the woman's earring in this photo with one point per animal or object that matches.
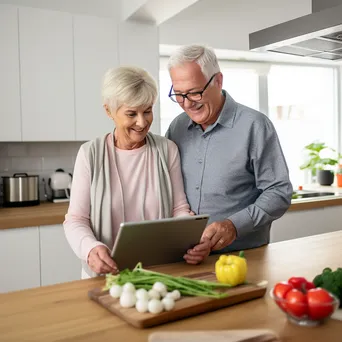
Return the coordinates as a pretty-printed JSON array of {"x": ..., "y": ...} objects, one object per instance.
[{"x": 109, "y": 113}]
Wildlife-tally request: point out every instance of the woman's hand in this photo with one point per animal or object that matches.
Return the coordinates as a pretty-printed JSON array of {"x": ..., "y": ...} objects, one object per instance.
[
  {"x": 100, "y": 261},
  {"x": 197, "y": 254}
]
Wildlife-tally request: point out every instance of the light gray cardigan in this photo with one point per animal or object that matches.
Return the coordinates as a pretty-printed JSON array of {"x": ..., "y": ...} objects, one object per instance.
[{"x": 100, "y": 193}]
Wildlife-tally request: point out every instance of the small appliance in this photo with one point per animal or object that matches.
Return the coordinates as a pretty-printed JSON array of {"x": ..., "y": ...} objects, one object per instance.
[
  {"x": 21, "y": 190},
  {"x": 60, "y": 186}
]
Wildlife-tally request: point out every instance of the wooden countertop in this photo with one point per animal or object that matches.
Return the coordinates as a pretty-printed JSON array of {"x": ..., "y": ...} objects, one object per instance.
[
  {"x": 64, "y": 313},
  {"x": 47, "y": 213}
]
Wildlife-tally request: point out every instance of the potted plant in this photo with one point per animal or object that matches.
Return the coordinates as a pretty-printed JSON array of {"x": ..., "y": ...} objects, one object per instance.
[{"x": 321, "y": 166}]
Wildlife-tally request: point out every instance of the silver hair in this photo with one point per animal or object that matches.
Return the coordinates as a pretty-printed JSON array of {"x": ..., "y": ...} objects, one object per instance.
[
  {"x": 204, "y": 56},
  {"x": 128, "y": 85}
]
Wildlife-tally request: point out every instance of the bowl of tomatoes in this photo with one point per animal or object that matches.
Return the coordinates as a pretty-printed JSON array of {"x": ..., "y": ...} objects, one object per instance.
[{"x": 303, "y": 303}]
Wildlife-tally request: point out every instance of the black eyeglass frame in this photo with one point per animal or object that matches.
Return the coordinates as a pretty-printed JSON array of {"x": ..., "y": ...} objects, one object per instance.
[{"x": 185, "y": 96}]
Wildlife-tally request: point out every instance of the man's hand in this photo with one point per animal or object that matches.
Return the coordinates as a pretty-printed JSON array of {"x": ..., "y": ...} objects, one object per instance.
[
  {"x": 220, "y": 233},
  {"x": 100, "y": 261},
  {"x": 198, "y": 253}
]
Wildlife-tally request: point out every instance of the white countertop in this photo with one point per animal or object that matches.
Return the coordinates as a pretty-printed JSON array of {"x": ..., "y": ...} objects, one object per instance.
[
  {"x": 325, "y": 188},
  {"x": 319, "y": 188}
]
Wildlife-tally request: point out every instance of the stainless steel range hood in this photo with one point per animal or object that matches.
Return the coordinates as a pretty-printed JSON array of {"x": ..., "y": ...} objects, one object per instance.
[{"x": 317, "y": 35}]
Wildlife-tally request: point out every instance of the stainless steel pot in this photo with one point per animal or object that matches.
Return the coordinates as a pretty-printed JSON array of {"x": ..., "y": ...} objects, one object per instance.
[{"x": 21, "y": 190}]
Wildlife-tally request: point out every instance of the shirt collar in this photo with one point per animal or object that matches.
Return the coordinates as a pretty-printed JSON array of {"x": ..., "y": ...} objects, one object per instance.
[{"x": 227, "y": 115}]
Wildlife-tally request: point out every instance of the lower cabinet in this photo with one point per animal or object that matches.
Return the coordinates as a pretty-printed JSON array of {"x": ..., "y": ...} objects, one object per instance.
[
  {"x": 58, "y": 262},
  {"x": 36, "y": 256},
  {"x": 19, "y": 259},
  {"x": 297, "y": 224}
]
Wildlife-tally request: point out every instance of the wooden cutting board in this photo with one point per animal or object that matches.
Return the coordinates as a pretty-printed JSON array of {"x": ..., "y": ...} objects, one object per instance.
[
  {"x": 185, "y": 307},
  {"x": 248, "y": 335}
]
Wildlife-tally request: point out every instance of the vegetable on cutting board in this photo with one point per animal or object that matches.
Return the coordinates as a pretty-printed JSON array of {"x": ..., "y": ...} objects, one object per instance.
[
  {"x": 146, "y": 279},
  {"x": 145, "y": 301},
  {"x": 231, "y": 269},
  {"x": 154, "y": 292}
]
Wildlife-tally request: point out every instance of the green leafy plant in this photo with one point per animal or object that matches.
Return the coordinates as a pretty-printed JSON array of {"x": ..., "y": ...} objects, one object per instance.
[{"x": 315, "y": 161}]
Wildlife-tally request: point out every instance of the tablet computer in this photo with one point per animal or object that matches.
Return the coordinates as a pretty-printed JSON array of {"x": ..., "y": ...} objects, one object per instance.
[{"x": 157, "y": 242}]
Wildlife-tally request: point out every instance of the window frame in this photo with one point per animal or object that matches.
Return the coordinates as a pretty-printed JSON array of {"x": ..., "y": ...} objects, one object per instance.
[{"x": 263, "y": 67}]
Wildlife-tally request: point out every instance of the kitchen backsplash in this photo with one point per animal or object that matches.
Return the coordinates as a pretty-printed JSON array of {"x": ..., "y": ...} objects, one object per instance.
[{"x": 37, "y": 158}]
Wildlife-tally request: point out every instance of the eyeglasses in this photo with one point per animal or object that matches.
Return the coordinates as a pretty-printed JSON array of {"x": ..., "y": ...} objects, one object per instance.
[{"x": 191, "y": 96}]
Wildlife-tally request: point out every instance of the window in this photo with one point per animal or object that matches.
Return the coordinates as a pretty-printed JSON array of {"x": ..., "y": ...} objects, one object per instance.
[
  {"x": 302, "y": 108},
  {"x": 300, "y": 100},
  {"x": 168, "y": 109},
  {"x": 241, "y": 82}
]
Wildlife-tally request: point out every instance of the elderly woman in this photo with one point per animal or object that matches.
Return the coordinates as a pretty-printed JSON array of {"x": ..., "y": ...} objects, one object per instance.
[{"x": 128, "y": 175}]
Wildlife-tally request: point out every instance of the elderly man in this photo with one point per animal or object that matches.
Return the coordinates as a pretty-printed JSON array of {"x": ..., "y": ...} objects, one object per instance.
[{"x": 232, "y": 162}]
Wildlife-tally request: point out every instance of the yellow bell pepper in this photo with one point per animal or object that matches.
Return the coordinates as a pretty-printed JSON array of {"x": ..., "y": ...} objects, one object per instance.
[{"x": 231, "y": 269}]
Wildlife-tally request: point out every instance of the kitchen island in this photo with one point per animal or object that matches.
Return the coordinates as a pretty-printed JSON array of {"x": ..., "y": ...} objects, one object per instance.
[{"x": 64, "y": 313}]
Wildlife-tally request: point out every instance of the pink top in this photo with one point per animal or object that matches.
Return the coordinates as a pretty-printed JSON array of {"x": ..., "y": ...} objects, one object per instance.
[{"x": 133, "y": 170}]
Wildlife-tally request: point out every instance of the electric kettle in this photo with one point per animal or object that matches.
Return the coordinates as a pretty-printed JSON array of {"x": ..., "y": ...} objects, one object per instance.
[{"x": 60, "y": 184}]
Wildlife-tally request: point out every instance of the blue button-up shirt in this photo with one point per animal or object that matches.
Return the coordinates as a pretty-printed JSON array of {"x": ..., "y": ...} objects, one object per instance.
[{"x": 234, "y": 170}]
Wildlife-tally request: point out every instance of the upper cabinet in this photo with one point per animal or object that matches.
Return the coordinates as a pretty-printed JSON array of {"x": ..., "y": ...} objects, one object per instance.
[
  {"x": 52, "y": 67},
  {"x": 135, "y": 49},
  {"x": 10, "y": 127},
  {"x": 47, "y": 75},
  {"x": 95, "y": 51}
]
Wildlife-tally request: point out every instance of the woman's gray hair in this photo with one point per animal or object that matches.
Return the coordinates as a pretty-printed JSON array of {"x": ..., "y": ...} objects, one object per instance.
[
  {"x": 128, "y": 85},
  {"x": 204, "y": 56}
]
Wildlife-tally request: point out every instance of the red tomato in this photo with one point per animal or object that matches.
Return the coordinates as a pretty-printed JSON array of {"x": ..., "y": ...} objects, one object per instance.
[
  {"x": 280, "y": 291},
  {"x": 297, "y": 282},
  {"x": 300, "y": 283},
  {"x": 320, "y": 303},
  {"x": 296, "y": 303},
  {"x": 310, "y": 285}
]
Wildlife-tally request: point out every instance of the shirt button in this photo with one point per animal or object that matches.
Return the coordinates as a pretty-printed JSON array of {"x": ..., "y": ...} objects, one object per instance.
[
  {"x": 197, "y": 187},
  {"x": 200, "y": 161}
]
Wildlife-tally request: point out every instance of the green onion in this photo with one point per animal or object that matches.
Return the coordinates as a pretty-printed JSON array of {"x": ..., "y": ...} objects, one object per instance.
[{"x": 142, "y": 278}]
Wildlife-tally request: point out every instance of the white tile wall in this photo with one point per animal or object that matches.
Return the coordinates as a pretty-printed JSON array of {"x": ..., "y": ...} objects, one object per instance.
[{"x": 37, "y": 158}]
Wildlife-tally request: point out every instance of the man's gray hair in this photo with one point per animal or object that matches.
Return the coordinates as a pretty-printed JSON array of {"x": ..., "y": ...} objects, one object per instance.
[
  {"x": 204, "y": 56},
  {"x": 128, "y": 85}
]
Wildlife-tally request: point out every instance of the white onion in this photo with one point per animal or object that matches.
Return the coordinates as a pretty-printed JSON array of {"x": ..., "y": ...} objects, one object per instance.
[
  {"x": 175, "y": 295},
  {"x": 127, "y": 299},
  {"x": 153, "y": 294},
  {"x": 115, "y": 291},
  {"x": 168, "y": 303},
  {"x": 160, "y": 287},
  {"x": 141, "y": 305},
  {"x": 142, "y": 294},
  {"x": 128, "y": 287},
  {"x": 155, "y": 306}
]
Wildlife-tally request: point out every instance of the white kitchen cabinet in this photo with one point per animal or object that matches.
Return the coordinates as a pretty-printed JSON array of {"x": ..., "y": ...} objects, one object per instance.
[
  {"x": 19, "y": 259},
  {"x": 47, "y": 75},
  {"x": 139, "y": 45},
  {"x": 296, "y": 224},
  {"x": 10, "y": 127},
  {"x": 95, "y": 51},
  {"x": 58, "y": 262}
]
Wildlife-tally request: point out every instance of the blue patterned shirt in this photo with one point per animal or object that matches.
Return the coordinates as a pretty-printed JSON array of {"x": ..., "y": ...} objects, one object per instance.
[{"x": 234, "y": 170}]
